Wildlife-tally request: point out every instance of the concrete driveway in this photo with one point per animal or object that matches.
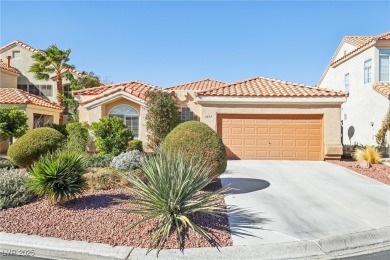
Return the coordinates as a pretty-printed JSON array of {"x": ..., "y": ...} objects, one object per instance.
[{"x": 285, "y": 201}]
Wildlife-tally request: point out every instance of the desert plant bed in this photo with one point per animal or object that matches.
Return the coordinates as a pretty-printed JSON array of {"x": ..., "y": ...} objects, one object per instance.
[
  {"x": 379, "y": 172},
  {"x": 95, "y": 217}
]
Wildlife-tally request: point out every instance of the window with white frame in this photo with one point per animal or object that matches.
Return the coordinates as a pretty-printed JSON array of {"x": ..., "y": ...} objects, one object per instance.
[
  {"x": 39, "y": 90},
  {"x": 384, "y": 68},
  {"x": 367, "y": 71},
  {"x": 129, "y": 115},
  {"x": 187, "y": 115},
  {"x": 346, "y": 82}
]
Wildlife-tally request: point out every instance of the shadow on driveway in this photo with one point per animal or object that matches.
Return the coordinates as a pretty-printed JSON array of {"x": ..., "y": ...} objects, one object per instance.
[
  {"x": 244, "y": 185},
  {"x": 243, "y": 221}
]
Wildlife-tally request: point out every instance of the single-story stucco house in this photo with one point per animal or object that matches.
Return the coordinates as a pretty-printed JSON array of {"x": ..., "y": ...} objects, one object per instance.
[{"x": 257, "y": 118}]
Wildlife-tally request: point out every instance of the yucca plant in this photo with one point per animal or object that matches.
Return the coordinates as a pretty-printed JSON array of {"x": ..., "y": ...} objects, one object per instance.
[
  {"x": 171, "y": 195},
  {"x": 58, "y": 176},
  {"x": 369, "y": 154}
]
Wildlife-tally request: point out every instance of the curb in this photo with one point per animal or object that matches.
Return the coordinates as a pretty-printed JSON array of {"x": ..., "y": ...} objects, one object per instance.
[{"x": 360, "y": 243}]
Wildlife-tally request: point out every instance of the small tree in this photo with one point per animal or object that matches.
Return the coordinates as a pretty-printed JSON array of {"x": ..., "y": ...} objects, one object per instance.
[
  {"x": 162, "y": 117},
  {"x": 53, "y": 61},
  {"x": 89, "y": 80},
  {"x": 381, "y": 135},
  {"x": 13, "y": 123},
  {"x": 78, "y": 136},
  {"x": 112, "y": 135}
]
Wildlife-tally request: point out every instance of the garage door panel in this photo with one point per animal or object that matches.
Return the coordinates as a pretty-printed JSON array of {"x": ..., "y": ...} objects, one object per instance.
[
  {"x": 301, "y": 131},
  {"x": 293, "y": 137},
  {"x": 250, "y": 130}
]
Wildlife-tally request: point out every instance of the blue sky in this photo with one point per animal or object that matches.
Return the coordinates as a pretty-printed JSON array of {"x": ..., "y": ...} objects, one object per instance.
[{"x": 167, "y": 43}]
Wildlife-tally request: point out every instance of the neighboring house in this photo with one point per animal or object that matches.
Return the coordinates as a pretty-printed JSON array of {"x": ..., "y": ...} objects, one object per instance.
[
  {"x": 360, "y": 66},
  {"x": 39, "y": 110},
  {"x": 19, "y": 54},
  {"x": 258, "y": 118}
]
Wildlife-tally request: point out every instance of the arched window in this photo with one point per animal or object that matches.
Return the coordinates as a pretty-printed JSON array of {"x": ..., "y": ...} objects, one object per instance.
[{"x": 130, "y": 117}]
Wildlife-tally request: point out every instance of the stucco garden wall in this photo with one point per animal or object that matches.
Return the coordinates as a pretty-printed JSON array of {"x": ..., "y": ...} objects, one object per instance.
[
  {"x": 51, "y": 115},
  {"x": 331, "y": 117}
]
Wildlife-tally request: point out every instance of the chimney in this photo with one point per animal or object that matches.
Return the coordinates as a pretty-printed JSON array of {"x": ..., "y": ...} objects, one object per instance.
[{"x": 9, "y": 61}]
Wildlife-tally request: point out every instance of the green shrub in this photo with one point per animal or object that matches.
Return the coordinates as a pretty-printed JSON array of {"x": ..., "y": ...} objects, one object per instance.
[
  {"x": 172, "y": 195},
  {"x": 135, "y": 144},
  {"x": 162, "y": 117},
  {"x": 13, "y": 123},
  {"x": 60, "y": 128},
  {"x": 78, "y": 136},
  {"x": 58, "y": 176},
  {"x": 98, "y": 160},
  {"x": 33, "y": 144},
  {"x": 13, "y": 189},
  {"x": 197, "y": 140},
  {"x": 112, "y": 135}
]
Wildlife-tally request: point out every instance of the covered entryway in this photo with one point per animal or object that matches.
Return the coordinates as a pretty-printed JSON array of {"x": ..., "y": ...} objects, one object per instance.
[{"x": 272, "y": 137}]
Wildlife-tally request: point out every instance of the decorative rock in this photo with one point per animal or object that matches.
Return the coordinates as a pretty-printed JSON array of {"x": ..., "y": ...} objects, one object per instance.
[{"x": 363, "y": 164}]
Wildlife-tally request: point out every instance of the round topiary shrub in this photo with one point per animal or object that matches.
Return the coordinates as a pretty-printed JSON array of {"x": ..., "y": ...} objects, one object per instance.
[
  {"x": 135, "y": 144},
  {"x": 33, "y": 144},
  {"x": 197, "y": 140}
]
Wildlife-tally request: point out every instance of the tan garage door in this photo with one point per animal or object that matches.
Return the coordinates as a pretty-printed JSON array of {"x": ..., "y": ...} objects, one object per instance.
[{"x": 272, "y": 137}]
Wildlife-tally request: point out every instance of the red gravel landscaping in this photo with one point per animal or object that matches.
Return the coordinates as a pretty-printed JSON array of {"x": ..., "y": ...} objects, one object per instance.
[
  {"x": 379, "y": 172},
  {"x": 94, "y": 217}
]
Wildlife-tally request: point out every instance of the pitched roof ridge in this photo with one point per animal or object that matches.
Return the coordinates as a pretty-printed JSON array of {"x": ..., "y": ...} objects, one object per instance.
[
  {"x": 195, "y": 81},
  {"x": 27, "y": 98},
  {"x": 227, "y": 85},
  {"x": 22, "y": 95}
]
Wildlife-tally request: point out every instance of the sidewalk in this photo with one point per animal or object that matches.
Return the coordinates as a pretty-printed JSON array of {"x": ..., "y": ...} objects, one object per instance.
[{"x": 373, "y": 241}]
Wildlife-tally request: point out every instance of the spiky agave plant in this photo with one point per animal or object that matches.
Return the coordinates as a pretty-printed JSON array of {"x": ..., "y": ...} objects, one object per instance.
[
  {"x": 58, "y": 176},
  {"x": 171, "y": 195}
]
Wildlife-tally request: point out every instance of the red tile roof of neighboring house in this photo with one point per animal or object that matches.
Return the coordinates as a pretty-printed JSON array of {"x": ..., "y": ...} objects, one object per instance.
[
  {"x": 17, "y": 96},
  {"x": 198, "y": 85},
  {"x": 5, "y": 67},
  {"x": 360, "y": 42},
  {"x": 383, "y": 88},
  {"x": 32, "y": 49},
  {"x": 267, "y": 87},
  {"x": 135, "y": 88}
]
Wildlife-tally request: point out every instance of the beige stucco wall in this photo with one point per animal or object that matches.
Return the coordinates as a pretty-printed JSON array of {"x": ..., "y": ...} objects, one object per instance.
[
  {"x": 331, "y": 118},
  {"x": 186, "y": 98},
  {"x": 51, "y": 115},
  {"x": 7, "y": 79},
  {"x": 365, "y": 108}
]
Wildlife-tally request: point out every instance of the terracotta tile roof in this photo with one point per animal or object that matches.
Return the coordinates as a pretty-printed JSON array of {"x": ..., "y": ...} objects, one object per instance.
[
  {"x": 198, "y": 85},
  {"x": 267, "y": 87},
  {"x": 4, "y": 66},
  {"x": 383, "y": 88},
  {"x": 32, "y": 49},
  {"x": 17, "y": 96},
  {"x": 135, "y": 88},
  {"x": 360, "y": 42}
]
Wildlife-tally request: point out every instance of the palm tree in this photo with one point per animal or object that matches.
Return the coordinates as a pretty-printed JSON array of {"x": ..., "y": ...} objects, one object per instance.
[{"x": 53, "y": 61}]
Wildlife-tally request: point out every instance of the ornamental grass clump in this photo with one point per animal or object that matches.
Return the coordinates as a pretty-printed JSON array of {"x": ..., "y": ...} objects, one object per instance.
[
  {"x": 58, "y": 176},
  {"x": 171, "y": 195},
  {"x": 369, "y": 154}
]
